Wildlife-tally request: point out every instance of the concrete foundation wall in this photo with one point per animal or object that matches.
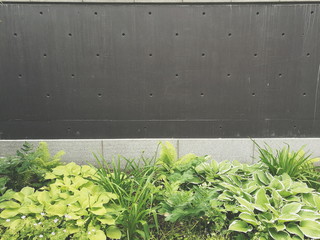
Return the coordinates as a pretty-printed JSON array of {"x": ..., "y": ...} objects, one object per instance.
[
  {"x": 161, "y": 1},
  {"x": 243, "y": 150}
]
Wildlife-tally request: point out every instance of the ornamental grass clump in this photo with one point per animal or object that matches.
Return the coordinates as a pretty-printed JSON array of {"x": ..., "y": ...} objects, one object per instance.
[
  {"x": 299, "y": 165},
  {"x": 134, "y": 183}
]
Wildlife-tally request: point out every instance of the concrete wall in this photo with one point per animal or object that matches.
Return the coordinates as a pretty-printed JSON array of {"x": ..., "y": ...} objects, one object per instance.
[
  {"x": 243, "y": 150},
  {"x": 161, "y": 1}
]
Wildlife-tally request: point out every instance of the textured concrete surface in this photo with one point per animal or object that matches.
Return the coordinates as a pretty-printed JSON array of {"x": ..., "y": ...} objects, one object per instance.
[
  {"x": 132, "y": 148},
  {"x": 243, "y": 150},
  {"x": 162, "y": 1},
  {"x": 79, "y": 151},
  {"x": 219, "y": 149}
]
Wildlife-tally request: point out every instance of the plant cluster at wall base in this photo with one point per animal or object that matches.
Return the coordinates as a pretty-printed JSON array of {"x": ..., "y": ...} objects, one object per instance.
[{"x": 164, "y": 198}]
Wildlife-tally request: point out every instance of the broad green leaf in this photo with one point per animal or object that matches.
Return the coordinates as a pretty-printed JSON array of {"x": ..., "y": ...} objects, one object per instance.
[
  {"x": 317, "y": 201},
  {"x": 308, "y": 215},
  {"x": 224, "y": 167},
  {"x": 113, "y": 232},
  {"x": 57, "y": 210},
  {"x": 276, "y": 184},
  {"x": 97, "y": 235},
  {"x": 281, "y": 235},
  {"x": 44, "y": 198},
  {"x": 9, "y": 213},
  {"x": 279, "y": 226},
  {"x": 232, "y": 188},
  {"x": 276, "y": 198},
  {"x": 240, "y": 226},
  {"x": 98, "y": 211},
  {"x": 35, "y": 208},
  {"x": 249, "y": 218},
  {"x": 262, "y": 177},
  {"x": 16, "y": 225},
  {"x": 107, "y": 220},
  {"x": 288, "y": 217},
  {"x": 261, "y": 200},
  {"x": 291, "y": 208},
  {"x": 308, "y": 198},
  {"x": 244, "y": 203},
  {"x": 9, "y": 204},
  {"x": 310, "y": 229},
  {"x": 27, "y": 191},
  {"x": 50, "y": 175},
  {"x": 294, "y": 229}
]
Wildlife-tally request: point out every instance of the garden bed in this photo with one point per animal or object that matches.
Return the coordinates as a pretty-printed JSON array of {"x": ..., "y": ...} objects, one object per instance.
[{"x": 161, "y": 198}]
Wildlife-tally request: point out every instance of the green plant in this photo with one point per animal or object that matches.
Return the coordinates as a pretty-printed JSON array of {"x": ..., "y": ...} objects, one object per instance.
[
  {"x": 185, "y": 192},
  {"x": 76, "y": 208},
  {"x": 28, "y": 167},
  {"x": 246, "y": 200},
  {"x": 297, "y": 164},
  {"x": 134, "y": 184}
]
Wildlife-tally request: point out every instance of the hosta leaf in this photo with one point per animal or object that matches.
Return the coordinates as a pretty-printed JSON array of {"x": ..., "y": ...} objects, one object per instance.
[
  {"x": 57, "y": 210},
  {"x": 240, "y": 226},
  {"x": 9, "y": 213},
  {"x": 281, "y": 235},
  {"x": 276, "y": 184},
  {"x": 113, "y": 232},
  {"x": 244, "y": 203},
  {"x": 98, "y": 211},
  {"x": 288, "y": 217},
  {"x": 276, "y": 198},
  {"x": 261, "y": 200},
  {"x": 36, "y": 208},
  {"x": 249, "y": 218},
  {"x": 98, "y": 235},
  {"x": 27, "y": 191},
  {"x": 232, "y": 188},
  {"x": 262, "y": 177},
  {"x": 44, "y": 198},
  {"x": 107, "y": 220},
  {"x": 291, "y": 208},
  {"x": 310, "y": 229},
  {"x": 308, "y": 198},
  {"x": 279, "y": 226},
  {"x": 224, "y": 167},
  {"x": 317, "y": 201},
  {"x": 9, "y": 204},
  {"x": 308, "y": 215},
  {"x": 16, "y": 224},
  {"x": 294, "y": 229}
]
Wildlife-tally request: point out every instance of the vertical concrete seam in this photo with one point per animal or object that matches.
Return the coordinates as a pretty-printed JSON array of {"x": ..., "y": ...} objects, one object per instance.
[
  {"x": 102, "y": 151},
  {"x": 253, "y": 149},
  {"x": 178, "y": 148}
]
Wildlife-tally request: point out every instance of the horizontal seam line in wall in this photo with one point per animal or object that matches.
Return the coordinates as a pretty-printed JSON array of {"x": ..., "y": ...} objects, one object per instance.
[{"x": 158, "y": 120}]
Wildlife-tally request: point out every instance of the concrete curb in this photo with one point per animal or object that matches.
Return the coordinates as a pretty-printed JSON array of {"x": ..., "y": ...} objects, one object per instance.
[
  {"x": 160, "y": 1},
  {"x": 241, "y": 149}
]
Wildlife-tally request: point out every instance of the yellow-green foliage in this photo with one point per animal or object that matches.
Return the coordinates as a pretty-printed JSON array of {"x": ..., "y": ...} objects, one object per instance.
[{"x": 76, "y": 207}]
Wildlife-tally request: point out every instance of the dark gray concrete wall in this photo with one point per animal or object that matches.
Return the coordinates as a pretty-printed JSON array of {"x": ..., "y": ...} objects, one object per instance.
[{"x": 126, "y": 70}]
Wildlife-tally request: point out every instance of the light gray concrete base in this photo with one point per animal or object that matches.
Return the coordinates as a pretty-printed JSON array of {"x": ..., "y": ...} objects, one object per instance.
[{"x": 241, "y": 149}]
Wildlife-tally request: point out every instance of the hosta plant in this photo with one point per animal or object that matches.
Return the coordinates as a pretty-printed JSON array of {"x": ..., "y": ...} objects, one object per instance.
[{"x": 75, "y": 207}]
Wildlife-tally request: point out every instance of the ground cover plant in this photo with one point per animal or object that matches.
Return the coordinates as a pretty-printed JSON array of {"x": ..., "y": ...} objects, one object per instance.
[
  {"x": 27, "y": 167},
  {"x": 192, "y": 197}
]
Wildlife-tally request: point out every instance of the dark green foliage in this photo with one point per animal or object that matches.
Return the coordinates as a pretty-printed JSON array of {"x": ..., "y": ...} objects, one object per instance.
[
  {"x": 27, "y": 167},
  {"x": 135, "y": 186},
  {"x": 297, "y": 164}
]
